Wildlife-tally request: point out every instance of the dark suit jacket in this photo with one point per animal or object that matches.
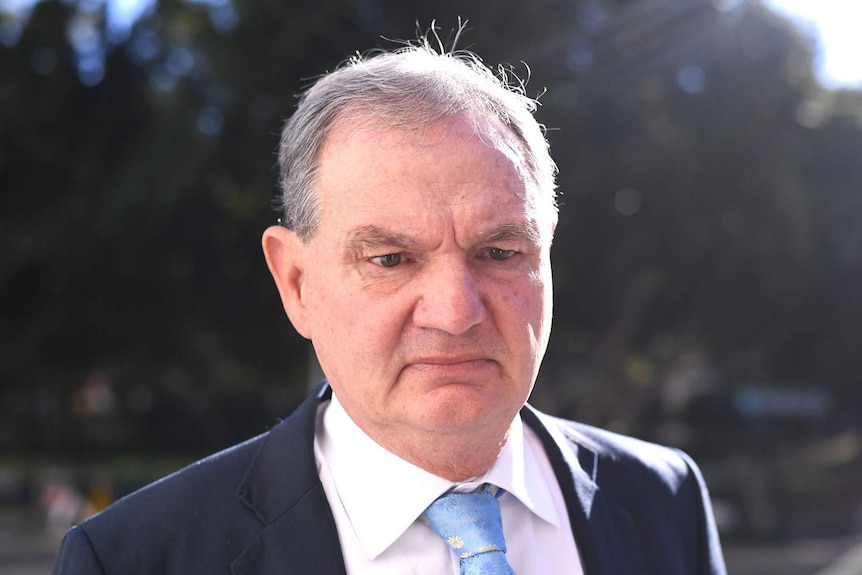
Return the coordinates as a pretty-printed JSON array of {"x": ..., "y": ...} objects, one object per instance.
[{"x": 260, "y": 509}]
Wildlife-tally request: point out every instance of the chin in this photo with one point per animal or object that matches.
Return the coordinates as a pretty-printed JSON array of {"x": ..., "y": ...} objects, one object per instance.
[{"x": 459, "y": 414}]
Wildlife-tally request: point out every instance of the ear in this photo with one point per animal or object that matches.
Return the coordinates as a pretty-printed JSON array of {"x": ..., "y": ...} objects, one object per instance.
[{"x": 286, "y": 256}]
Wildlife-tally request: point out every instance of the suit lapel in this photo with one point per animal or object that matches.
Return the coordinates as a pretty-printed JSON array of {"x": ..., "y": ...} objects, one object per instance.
[
  {"x": 605, "y": 532},
  {"x": 303, "y": 540},
  {"x": 282, "y": 488},
  {"x": 299, "y": 535}
]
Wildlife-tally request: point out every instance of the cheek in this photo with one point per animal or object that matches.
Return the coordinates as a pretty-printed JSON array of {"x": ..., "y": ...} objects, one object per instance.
[
  {"x": 524, "y": 316},
  {"x": 358, "y": 329},
  {"x": 526, "y": 302}
]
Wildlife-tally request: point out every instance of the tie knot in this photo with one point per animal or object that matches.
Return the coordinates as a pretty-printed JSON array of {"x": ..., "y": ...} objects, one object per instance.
[{"x": 471, "y": 525}]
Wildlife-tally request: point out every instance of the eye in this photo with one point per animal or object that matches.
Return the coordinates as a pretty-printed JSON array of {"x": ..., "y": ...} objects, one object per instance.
[
  {"x": 499, "y": 254},
  {"x": 388, "y": 260}
]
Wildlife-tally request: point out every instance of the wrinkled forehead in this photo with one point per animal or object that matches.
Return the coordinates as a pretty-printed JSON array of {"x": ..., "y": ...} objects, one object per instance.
[
  {"x": 370, "y": 131},
  {"x": 433, "y": 127}
]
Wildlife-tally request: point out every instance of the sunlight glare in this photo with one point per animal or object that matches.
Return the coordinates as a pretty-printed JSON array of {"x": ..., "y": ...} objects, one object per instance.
[{"x": 835, "y": 26}]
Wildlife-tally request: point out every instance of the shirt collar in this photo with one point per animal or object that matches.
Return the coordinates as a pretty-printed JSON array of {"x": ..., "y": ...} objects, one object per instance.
[
  {"x": 383, "y": 494},
  {"x": 517, "y": 471}
]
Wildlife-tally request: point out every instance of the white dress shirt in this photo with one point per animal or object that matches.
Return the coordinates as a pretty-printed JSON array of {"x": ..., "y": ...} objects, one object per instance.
[{"x": 376, "y": 498}]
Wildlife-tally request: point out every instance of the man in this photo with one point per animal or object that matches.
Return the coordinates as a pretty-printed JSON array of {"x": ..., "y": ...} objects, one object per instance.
[{"x": 419, "y": 211}]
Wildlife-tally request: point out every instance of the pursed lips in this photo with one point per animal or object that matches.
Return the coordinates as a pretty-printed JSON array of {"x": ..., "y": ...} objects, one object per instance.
[{"x": 450, "y": 363}]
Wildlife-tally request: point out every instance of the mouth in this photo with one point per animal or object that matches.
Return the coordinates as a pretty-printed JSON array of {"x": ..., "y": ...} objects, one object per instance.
[
  {"x": 450, "y": 364},
  {"x": 448, "y": 359}
]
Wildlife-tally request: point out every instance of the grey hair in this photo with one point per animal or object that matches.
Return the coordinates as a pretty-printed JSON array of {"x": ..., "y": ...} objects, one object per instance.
[{"x": 409, "y": 88}]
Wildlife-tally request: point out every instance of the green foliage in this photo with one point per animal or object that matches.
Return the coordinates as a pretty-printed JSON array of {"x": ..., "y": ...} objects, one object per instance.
[
  {"x": 708, "y": 241},
  {"x": 708, "y": 252}
]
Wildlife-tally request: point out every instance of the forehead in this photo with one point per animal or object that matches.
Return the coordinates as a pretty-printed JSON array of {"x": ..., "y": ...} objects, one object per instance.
[{"x": 366, "y": 159}]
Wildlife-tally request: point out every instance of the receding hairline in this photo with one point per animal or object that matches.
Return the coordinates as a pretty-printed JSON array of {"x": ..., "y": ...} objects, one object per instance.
[
  {"x": 372, "y": 130},
  {"x": 410, "y": 89},
  {"x": 362, "y": 119}
]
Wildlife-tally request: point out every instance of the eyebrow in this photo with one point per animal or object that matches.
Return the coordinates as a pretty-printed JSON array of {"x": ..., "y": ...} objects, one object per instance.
[
  {"x": 365, "y": 237},
  {"x": 372, "y": 236},
  {"x": 512, "y": 232}
]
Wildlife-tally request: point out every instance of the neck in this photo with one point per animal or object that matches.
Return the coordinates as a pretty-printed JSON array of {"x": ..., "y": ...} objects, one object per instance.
[{"x": 453, "y": 456}]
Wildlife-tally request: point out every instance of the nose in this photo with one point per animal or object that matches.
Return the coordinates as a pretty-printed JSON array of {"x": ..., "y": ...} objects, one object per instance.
[{"x": 450, "y": 299}]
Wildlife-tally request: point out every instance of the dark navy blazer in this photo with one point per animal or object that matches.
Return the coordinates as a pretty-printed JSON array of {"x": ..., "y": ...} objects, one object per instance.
[{"x": 259, "y": 509}]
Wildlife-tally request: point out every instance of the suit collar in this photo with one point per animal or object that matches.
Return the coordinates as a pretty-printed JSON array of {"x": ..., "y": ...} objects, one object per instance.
[
  {"x": 283, "y": 490},
  {"x": 284, "y": 468},
  {"x": 605, "y": 531},
  {"x": 299, "y": 534}
]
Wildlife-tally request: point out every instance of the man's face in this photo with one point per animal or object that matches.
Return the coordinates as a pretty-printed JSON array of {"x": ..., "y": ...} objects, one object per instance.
[{"x": 427, "y": 284}]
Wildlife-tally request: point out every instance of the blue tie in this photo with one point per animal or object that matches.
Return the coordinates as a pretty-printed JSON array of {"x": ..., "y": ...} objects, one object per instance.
[{"x": 470, "y": 524}]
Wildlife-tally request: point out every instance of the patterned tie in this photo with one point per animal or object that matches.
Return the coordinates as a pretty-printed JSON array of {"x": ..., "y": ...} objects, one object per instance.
[{"x": 470, "y": 524}]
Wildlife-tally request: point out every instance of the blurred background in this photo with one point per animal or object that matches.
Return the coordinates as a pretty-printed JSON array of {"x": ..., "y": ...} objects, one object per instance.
[{"x": 708, "y": 261}]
